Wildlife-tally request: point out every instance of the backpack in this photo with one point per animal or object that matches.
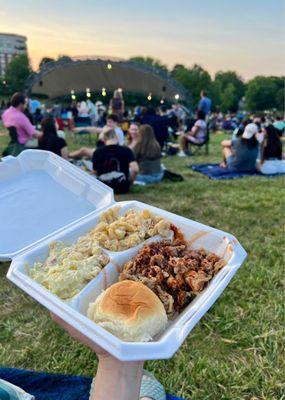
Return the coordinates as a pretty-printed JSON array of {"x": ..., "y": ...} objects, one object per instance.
[
  {"x": 14, "y": 148},
  {"x": 172, "y": 176},
  {"x": 113, "y": 177}
]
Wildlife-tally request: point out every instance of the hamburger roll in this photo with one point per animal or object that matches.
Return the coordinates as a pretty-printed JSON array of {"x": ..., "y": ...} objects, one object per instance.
[{"x": 130, "y": 311}]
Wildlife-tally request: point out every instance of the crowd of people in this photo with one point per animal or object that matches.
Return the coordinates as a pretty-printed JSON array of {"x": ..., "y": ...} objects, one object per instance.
[
  {"x": 129, "y": 149},
  {"x": 131, "y": 143}
]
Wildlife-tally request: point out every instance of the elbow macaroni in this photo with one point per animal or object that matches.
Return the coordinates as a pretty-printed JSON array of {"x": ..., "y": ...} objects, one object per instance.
[
  {"x": 69, "y": 268},
  {"x": 118, "y": 233}
]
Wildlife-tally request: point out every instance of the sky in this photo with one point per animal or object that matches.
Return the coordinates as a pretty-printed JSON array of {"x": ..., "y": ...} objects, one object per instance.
[{"x": 247, "y": 36}]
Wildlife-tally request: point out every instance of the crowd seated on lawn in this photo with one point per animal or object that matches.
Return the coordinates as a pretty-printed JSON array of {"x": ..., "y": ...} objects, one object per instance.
[{"x": 251, "y": 141}]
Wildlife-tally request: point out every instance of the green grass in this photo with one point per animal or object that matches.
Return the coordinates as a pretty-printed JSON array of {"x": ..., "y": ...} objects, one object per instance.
[{"x": 236, "y": 351}]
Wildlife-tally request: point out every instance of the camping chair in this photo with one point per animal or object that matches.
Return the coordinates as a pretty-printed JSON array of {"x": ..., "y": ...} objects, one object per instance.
[
  {"x": 196, "y": 148},
  {"x": 14, "y": 148}
]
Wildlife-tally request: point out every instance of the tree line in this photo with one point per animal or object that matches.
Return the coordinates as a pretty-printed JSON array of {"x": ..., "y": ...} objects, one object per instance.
[{"x": 226, "y": 89}]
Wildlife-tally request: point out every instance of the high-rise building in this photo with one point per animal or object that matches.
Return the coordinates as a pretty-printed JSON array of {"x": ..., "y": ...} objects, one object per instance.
[{"x": 10, "y": 46}]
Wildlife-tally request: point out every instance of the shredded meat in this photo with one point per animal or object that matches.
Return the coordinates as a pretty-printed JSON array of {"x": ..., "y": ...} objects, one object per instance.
[{"x": 175, "y": 272}]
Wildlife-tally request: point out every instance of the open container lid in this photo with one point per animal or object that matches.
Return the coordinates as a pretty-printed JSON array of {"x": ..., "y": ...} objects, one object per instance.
[{"x": 41, "y": 194}]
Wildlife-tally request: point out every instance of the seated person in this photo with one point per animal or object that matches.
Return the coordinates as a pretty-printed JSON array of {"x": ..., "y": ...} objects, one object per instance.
[
  {"x": 271, "y": 153},
  {"x": 50, "y": 140},
  {"x": 112, "y": 122},
  {"x": 241, "y": 154},
  {"x": 113, "y": 164},
  {"x": 148, "y": 153},
  {"x": 133, "y": 135},
  {"x": 196, "y": 136},
  {"x": 14, "y": 116}
]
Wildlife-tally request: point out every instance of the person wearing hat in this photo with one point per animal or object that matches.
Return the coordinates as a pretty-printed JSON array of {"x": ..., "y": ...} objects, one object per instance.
[{"x": 241, "y": 154}]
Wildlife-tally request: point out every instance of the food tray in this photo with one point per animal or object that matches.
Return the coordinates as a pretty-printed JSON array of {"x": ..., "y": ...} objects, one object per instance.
[{"x": 168, "y": 341}]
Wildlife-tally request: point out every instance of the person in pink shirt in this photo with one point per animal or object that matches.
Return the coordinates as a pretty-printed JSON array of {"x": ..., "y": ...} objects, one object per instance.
[{"x": 14, "y": 116}]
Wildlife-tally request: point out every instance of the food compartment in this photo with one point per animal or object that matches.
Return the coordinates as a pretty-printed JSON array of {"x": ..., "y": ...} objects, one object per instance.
[
  {"x": 107, "y": 277},
  {"x": 70, "y": 237},
  {"x": 110, "y": 275},
  {"x": 127, "y": 225}
]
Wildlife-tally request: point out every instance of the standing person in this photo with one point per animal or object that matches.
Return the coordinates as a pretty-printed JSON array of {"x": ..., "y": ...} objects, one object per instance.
[
  {"x": 117, "y": 104},
  {"x": 205, "y": 104},
  {"x": 92, "y": 112},
  {"x": 113, "y": 164},
  {"x": 57, "y": 110},
  {"x": 148, "y": 153},
  {"x": 50, "y": 140},
  {"x": 14, "y": 116}
]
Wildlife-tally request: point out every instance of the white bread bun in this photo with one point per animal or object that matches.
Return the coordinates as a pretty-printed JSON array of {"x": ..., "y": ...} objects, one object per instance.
[{"x": 130, "y": 311}]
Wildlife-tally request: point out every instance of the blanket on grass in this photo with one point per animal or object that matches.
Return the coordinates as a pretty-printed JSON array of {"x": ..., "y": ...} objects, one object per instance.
[
  {"x": 214, "y": 171},
  {"x": 52, "y": 386}
]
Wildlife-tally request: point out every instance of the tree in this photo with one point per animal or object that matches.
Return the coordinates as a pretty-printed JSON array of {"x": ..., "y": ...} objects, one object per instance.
[
  {"x": 150, "y": 61},
  {"x": 17, "y": 73},
  {"x": 193, "y": 79},
  {"x": 229, "y": 98},
  {"x": 45, "y": 60},
  {"x": 262, "y": 93},
  {"x": 227, "y": 84},
  {"x": 280, "y": 100},
  {"x": 64, "y": 58}
]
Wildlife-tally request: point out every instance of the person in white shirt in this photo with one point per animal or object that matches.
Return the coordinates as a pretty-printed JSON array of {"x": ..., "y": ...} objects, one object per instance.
[
  {"x": 111, "y": 123},
  {"x": 197, "y": 135}
]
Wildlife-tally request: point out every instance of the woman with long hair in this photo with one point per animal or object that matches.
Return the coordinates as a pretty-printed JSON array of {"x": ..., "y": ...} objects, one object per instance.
[
  {"x": 117, "y": 104},
  {"x": 148, "y": 153},
  {"x": 271, "y": 152},
  {"x": 49, "y": 139}
]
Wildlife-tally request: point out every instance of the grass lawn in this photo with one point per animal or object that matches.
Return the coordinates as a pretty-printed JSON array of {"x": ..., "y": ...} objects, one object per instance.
[{"x": 236, "y": 351}]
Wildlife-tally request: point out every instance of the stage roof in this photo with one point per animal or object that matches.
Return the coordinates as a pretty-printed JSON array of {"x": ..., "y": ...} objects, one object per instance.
[{"x": 60, "y": 78}]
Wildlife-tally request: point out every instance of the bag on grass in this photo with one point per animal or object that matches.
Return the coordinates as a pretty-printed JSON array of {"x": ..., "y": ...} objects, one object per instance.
[
  {"x": 172, "y": 176},
  {"x": 14, "y": 148},
  {"x": 113, "y": 177}
]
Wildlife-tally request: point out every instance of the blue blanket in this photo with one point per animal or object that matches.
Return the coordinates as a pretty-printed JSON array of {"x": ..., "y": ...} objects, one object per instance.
[
  {"x": 214, "y": 171},
  {"x": 52, "y": 386}
]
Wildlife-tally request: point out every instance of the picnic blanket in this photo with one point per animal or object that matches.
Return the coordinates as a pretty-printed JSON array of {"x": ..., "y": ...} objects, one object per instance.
[
  {"x": 52, "y": 386},
  {"x": 214, "y": 171}
]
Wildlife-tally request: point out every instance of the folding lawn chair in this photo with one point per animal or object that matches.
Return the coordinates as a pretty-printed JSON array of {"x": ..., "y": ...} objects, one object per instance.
[{"x": 195, "y": 148}]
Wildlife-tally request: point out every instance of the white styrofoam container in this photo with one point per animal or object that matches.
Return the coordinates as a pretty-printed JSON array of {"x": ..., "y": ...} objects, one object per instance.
[{"x": 167, "y": 342}]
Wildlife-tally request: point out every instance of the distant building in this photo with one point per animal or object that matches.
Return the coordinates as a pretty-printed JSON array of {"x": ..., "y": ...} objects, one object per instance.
[{"x": 10, "y": 46}]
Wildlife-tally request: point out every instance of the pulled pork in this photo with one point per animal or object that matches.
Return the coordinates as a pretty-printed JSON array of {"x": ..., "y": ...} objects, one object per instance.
[{"x": 173, "y": 271}]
